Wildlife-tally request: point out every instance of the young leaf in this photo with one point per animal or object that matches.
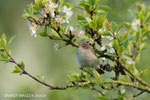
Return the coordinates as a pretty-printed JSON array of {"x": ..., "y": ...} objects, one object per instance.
[
  {"x": 43, "y": 78},
  {"x": 113, "y": 25},
  {"x": 10, "y": 40},
  {"x": 17, "y": 70},
  {"x": 22, "y": 64},
  {"x": 68, "y": 5},
  {"x": 115, "y": 44},
  {"x": 143, "y": 73}
]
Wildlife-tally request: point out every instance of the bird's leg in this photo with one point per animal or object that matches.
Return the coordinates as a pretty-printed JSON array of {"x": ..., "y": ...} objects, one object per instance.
[{"x": 82, "y": 69}]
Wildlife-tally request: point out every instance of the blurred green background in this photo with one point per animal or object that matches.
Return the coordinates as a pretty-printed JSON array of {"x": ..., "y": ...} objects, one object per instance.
[{"x": 41, "y": 59}]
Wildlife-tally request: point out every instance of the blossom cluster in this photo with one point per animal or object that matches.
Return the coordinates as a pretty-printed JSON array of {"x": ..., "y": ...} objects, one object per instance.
[{"x": 51, "y": 8}]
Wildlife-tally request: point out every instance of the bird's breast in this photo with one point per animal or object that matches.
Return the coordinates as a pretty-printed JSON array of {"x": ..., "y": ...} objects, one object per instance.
[{"x": 86, "y": 58}]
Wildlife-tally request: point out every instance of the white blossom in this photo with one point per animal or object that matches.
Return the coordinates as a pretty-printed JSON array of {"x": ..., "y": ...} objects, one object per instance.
[
  {"x": 110, "y": 44},
  {"x": 68, "y": 12},
  {"x": 56, "y": 46},
  {"x": 103, "y": 48},
  {"x": 81, "y": 33},
  {"x": 123, "y": 91},
  {"x": 111, "y": 50},
  {"x": 71, "y": 28},
  {"x": 51, "y": 8},
  {"x": 131, "y": 62},
  {"x": 138, "y": 21},
  {"x": 103, "y": 36},
  {"x": 111, "y": 38},
  {"x": 100, "y": 30},
  {"x": 108, "y": 37},
  {"x": 103, "y": 58},
  {"x": 33, "y": 28},
  {"x": 59, "y": 19},
  {"x": 135, "y": 24}
]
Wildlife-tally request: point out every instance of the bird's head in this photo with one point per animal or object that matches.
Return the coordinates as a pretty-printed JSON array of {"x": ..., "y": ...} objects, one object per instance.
[{"x": 85, "y": 45}]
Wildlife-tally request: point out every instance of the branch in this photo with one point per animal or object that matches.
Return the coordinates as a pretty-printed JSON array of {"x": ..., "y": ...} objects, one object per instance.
[
  {"x": 34, "y": 78},
  {"x": 138, "y": 94},
  {"x": 74, "y": 84},
  {"x": 146, "y": 89},
  {"x": 137, "y": 78}
]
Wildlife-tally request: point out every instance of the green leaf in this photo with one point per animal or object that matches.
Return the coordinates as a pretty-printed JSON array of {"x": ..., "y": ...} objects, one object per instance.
[
  {"x": 69, "y": 78},
  {"x": 146, "y": 33},
  {"x": 137, "y": 58},
  {"x": 38, "y": 2},
  {"x": 44, "y": 2},
  {"x": 147, "y": 20},
  {"x": 85, "y": 5},
  {"x": 118, "y": 27},
  {"x": 143, "y": 73},
  {"x": 105, "y": 7},
  {"x": 97, "y": 2},
  {"x": 17, "y": 70},
  {"x": 143, "y": 46},
  {"x": 80, "y": 17},
  {"x": 31, "y": 9},
  {"x": 68, "y": 5},
  {"x": 132, "y": 12},
  {"x": 88, "y": 19},
  {"x": 93, "y": 25},
  {"x": 36, "y": 8},
  {"x": 22, "y": 64},
  {"x": 27, "y": 14},
  {"x": 121, "y": 50},
  {"x": 43, "y": 78},
  {"x": 137, "y": 36},
  {"x": 3, "y": 44},
  {"x": 42, "y": 31},
  {"x": 115, "y": 44},
  {"x": 113, "y": 25},
  {"x": 61, "y": 2},
  {"x": 124, "y": 37},
  {"x": 97, "y": 76},
  {"x": 10, "y": 40},
  {"x": 105, "y": 33},
  {"x": 38, "y": 76},
  {"x": 3, "y": 36},
  {"x": 128, "y": 25},
  {"x": 6, "y": 60},
  {"x": 110, "y": 54},
  {"x": 53, "y": 33},
  {"x": 4, "y": 55},
  {"x": 44, "y": 34},
  {"x": 101, "y": 20},
  {"x": 3, "y": 41}
]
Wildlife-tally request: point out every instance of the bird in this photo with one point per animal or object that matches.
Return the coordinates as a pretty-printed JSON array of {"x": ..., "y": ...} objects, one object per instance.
[{"x": 86, "y": 57}]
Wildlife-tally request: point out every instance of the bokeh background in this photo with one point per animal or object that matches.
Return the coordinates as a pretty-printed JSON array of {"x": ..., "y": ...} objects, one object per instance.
[{"x": 41, "y": 59}]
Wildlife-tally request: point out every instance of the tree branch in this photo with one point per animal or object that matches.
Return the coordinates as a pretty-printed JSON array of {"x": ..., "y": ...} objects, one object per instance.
[{"x": 147, "y": 89}]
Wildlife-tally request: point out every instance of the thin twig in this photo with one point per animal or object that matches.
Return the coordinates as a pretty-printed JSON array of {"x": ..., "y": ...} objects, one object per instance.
[
  {"x": 138, "y": 94},
  {"x": 39, "y": 81},
  {"x": 93, "y": 88}
]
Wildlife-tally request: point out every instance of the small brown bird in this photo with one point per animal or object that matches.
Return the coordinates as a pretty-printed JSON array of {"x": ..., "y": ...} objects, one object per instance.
[{"x": 86, "y": 57}]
